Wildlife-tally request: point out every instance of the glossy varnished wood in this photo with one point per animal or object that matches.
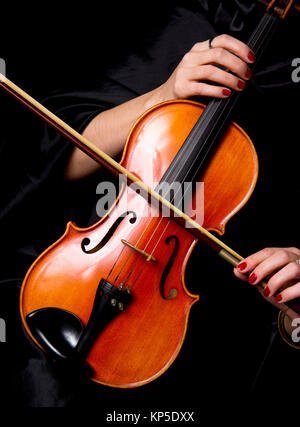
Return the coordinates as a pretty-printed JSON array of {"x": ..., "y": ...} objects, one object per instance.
[
  {"x": 142, "y": 342},
  {"x": 144, "y": 339},
  {"x": 229, "y": 177}
]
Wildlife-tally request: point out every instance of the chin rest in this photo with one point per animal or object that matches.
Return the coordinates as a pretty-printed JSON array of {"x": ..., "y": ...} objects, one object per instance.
[
  {"x": 62, "y": 334},
  {"x": 56, "y": 330}
]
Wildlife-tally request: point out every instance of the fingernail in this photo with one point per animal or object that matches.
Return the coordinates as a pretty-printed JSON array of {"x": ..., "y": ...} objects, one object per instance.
[
  {"x": 248, "y": 74},
  {"x": 278, "y": 298},
  {"x": 241, "y": 85},
  {"x": 252, "y": 278},
  {"x": 226, "y": 92},
  {"x": 242, "y": 266},
  {"x": 251, "y": 56},
  {"x": 266, "y": 292}
]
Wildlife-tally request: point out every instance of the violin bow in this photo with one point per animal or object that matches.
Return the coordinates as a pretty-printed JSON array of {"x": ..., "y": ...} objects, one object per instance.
[
  {"x": 109, "y": 163},
  {"x": 279, "y": 8},
  {"x": 223, "y": 250}
]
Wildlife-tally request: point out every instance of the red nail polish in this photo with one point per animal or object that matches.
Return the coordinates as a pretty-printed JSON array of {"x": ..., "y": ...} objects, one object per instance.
[
  {"x": 242, "y": 266},
  {"x": 267, "y": 292},
  {"x": 241, "y": 85},
  {"x": 251, "y": 56},
  {"x": 248, "y": 74},
  {"x": 278, "y": 298},
  {"x": 226, "y": 92},
  {"x": 252, "y": 278}
]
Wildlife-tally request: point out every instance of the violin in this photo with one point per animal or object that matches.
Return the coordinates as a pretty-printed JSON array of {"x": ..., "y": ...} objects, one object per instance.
[
  {"x": 113, "y": 295},
  {"x": 295, "y": 5}
]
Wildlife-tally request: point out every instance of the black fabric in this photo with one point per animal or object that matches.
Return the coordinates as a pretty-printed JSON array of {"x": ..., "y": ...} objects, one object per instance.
[{"x": 91, "y": 62}]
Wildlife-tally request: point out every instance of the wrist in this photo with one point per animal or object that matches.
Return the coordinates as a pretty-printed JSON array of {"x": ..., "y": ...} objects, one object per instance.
[{"x": 160, "y": 94}]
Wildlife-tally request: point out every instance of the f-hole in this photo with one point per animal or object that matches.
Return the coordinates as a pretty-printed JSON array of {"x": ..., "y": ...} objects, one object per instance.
[
  {"x": 86, "y": 241},
  {"x": 173, "y": 291}
]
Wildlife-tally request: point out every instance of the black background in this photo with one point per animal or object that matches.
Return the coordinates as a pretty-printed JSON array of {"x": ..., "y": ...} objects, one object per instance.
[{"x": 47, "y": 46}]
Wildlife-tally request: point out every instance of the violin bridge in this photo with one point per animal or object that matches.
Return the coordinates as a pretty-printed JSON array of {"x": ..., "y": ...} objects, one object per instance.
[{"x": 148, "y": 256}]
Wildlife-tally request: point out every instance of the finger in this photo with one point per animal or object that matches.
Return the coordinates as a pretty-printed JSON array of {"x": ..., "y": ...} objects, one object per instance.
[
  {"x": 296, "y": 251},
  {"x": 279, "y": 260},
  {"x": 289, "y": 293},
  {"x": 230, "y": 43},
  {"x": 240, "y": 275},
  {"x": 249, "y": 263},
  {"x": 214, "y": 74},
  {"x": 204, "y": 89},
  {"x": 225, "y": 59},
  {"x": 234, "y": 45},
  {"x": 288, "y": 274}
]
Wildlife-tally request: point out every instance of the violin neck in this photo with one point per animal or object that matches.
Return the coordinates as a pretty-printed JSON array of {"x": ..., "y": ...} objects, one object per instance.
[{"x": 190, "y": 159}]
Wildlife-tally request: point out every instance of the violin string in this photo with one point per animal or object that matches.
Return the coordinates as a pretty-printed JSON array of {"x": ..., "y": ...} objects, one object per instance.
[
  {"x": 255, "y": 37},
  {"x": 158, "y": 241},
  {"x": 137, "y": 278},
  {"x": 214, "y": 106},
  {"x": 111, "y": 270},
  {"x": 132, "y": 252},
  {"x": 149, "y": 240},
  {"x": 253, "y": 40},
  {"x": 118, "y": 257}
]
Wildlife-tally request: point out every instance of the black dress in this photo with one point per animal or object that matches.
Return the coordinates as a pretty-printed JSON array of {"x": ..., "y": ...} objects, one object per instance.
[{"x": 90, "y": 64}]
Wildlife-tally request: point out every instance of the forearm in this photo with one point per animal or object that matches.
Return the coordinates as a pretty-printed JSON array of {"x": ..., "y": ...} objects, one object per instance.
[{"x": 108, "y": 131}]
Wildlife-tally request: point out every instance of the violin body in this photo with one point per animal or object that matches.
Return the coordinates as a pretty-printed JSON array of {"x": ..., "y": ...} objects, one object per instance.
[{"x": 141, "y": 342}]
